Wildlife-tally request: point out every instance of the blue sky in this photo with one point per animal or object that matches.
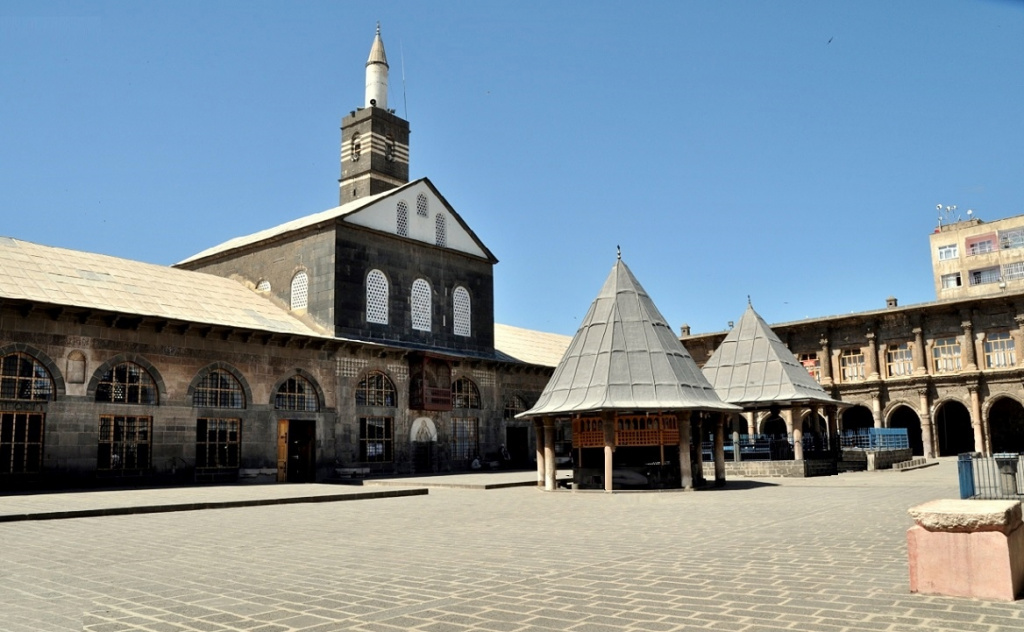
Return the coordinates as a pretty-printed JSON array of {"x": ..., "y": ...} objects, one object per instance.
[{"x": 790, "y": 151}]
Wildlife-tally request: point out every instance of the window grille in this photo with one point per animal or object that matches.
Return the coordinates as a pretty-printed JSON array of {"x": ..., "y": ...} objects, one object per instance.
[
  {"x": 440, "y": 230},
  {"x": 263, "y": 286},
  {"x": 402, "y": 219},
  {"x": 217, "y": 443},
  {"x": 25, "y": 378},
  {"x": 300, "y": 290},
  {"x": 999, "y": 351},
  {"x": 851, "y": 364},
  {"x": 948, "y": 252},
  {"x": 946, "y": 355},
  {"x": 465, "y": 394},
  {"x": 513, "y": 406},
  {"x": 1013, "y": 271},
  {"x": 1013, "y": 238},
  {"x": 376, "y": 390},
  {"x": 465, "y": 442},
  {"x": 124, "y": 443},
  {"x": 218, "y": 389},
  {"x": 375, "y": 440},
  {"x": 21, "y": 442},
  {"x": 985, "y": 276},
  {"x": 421, "y": 305},
  {"x": 126, "y": 383},
  {"x": 389, "y": 148},
  {"x": 462, "y": 311},
  {"x": 981, "y": 247},
  {"x": 376, "y": 297},
  {"x": 951, "y": 280},
  {"x": 812, "y": 364},
  {"x": 357, "y": 148},
  {"x": 421, "y": 205},
  {"x": 297, "y": 393},
  {"x": 899, "y": 360}
]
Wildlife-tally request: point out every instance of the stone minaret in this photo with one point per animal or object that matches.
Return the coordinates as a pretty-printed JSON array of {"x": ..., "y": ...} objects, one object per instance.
[{"x": 374, "y": 142}]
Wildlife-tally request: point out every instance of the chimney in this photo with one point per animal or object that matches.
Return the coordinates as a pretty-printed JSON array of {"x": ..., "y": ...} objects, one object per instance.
[
  {"x": 684, "y": 330},
  {"x": 890, "y": 302}
]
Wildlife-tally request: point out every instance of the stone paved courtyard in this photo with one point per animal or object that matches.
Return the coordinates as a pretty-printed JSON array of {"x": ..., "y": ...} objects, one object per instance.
[{"x": 762, "y": 555}]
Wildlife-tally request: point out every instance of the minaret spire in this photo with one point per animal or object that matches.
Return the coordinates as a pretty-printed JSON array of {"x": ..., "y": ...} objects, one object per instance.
[{"x": 377, "y": 74}]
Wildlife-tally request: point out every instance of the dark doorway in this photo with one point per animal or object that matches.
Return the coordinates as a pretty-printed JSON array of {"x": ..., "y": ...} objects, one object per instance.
[
  {"x": 301, "y": 451},
  {"x": 857, "y": 418},
  {"x": 774, "y": 427},
  {"x": 953, "y": 426},
  {"x": 423, "y": 457},
  {"x": 517, "y": 441},
  {"x": 1006, "y": 423},
  {"x": 904, "y": 417}
]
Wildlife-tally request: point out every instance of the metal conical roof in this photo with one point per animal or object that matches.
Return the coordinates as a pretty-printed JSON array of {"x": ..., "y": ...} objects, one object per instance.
[
  {"x": 753, "y": 368},
  {"x": 625, "y": 357},
  {"x": 377, "y": 55}
]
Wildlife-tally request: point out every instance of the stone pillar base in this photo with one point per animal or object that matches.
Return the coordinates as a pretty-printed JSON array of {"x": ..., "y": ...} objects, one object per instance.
[{"x": 967, "y": 548}]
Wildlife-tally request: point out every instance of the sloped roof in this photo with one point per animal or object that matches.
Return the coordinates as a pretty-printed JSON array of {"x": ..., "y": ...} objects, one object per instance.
[
  {"x": 460, "y": 237},
  {"x": 753, "y": 368},
  {"x": 625, "y": 357},
  {"x": 515, "y": 344},
  {"x": 70, "y": 278}
]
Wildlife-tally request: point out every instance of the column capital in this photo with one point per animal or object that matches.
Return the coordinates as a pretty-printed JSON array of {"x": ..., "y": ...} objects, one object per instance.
[
  {"x": 870, "y": 335},
  {"x": 1019, "y": 319},
  {"x": 917, "y": 331},
  {"x": 967, "y": 325},
  {"x": 823, "y": 341}
]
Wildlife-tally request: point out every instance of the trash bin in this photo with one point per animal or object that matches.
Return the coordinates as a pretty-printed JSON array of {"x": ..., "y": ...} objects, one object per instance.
[
  {"x": 965, "y": 467},
  {"x": 1007, "y": 464}
]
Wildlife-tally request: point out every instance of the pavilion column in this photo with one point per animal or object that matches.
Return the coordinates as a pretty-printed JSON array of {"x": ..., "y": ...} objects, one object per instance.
[
  {"x": 608, "y": 419},
  {"x": 927, "y": 430},
  {"x": 976, "y": 421},
  {"x": 720, "y": 450},
  {"x": 685, "y": 465},
  {"x": 751, "y": 425},
  {"x": 796, "y": 433},
  {"x": 549, "y": 454},
  {"x": 538, "y": 433},
  {"x": 736, "y": 437},
  {"x": 876, "y": 410},
  {"x": 970, "y": 353},
  {"x": 872, "y": 356},
  {"x": 825, "y": 363},
  {"x": 832, "y": 416},
  {"x": 920, "y": 368}
]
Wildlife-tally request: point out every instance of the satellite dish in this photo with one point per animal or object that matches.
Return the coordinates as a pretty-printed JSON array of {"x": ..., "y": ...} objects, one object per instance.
[
  {"x": 970, "y": 212},
  {"x": 938, "y": 207}
]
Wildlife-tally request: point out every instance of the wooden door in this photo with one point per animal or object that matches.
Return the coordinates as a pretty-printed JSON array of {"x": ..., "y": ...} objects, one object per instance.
[{"x": 282, "y": 450}]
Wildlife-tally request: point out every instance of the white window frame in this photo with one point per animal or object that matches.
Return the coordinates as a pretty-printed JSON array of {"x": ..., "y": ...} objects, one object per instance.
[
  {"x": 1000, "y": 351},
  {"x": 421, "y": 299},
  {"x": 948, "y": 252},
  {"x": 951, "y": 281},
  {"x": 985, "y": 276},
  {"x": 299, "y": 291},
  {"x": 462, "y": 312},
  {"x": 377, "y": 295},
  {"x": 1013, "y": 271}
]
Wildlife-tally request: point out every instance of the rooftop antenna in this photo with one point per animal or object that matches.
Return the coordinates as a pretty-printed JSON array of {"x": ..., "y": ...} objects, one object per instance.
[
  {"x": 405, "y": 101},
  {"x": 618, "y": 252},
  {"x": 948, "y": 211}
]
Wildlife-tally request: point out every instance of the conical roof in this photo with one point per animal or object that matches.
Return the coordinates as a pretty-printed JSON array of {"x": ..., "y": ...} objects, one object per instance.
[
  {"x": 625, "y": 357},
  {"x": 377, "y": 55},
  {"x": 753, "y": 368}
]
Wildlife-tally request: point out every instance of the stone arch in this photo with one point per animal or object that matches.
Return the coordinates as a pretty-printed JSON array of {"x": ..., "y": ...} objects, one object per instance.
[
  {"x": 903, "y": 415},
  {"x": 59, "y": 388},
  {"x": 319, "y": 392},
  {"x": 219, "y": 366},
  {"x": 856, "y": 418},
  {"x": 810, "y": 425},
  {"x": 953, "y": 430},
  {"x": 158, "y": 380},
  {"x": 1005, "y": 416},
  {"x": 423, "y": 437},
  {"x": 774, "y": 425}
]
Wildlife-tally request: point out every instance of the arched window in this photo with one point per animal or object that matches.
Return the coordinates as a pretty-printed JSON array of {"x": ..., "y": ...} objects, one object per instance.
[
  {"x": 297, "y": 393},
  {"x": 218, "y": 389},
  {"x": 389, "y": 148},
  {"x": 126, "y": 383},
  {"x": 402, "y": 219},
  {"x": 376, "y": 390},
  {"x": 300, "y": 290},
  {"x": 421, "y": 305},
  {"x": 25, "y": 378},
  {"x": 263, "y": 286},
  {"x": 421, "y": 205},
  {"x": 462, "y": 311},
  {"x": 357, "y": 148},
  {"x": 440, "y": 230},
  {"x": 513, "y": 406},
  {"x": 376, "y": 297},
  {"x": 465, "y": 394}
]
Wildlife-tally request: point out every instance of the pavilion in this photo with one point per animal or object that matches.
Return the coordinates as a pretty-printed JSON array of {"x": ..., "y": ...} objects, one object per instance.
[{"x": 629, "y": 388}]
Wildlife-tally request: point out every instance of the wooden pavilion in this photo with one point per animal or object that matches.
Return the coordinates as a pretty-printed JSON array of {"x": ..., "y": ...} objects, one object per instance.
[{"x": 628, "y": 387}]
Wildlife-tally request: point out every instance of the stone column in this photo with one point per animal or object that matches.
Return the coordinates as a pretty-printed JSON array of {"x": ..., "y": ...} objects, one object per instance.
[
  {"x": 927, "y": 429},
  {"x": 608, "y": 419},
  {"x": 876, "y": 410},
  {"x": 832, "y": 420},
  {"x": 798, "y": 435},
  {"x": 538, "y": 434},
  {"x": 920, "y": 367},
  {"x": 751, "y": 422},
  {"x": 549, "y": 454},
  {"x": 976, "y": 421},
  {"x": 685, "y": 466},
  {"x": 720, "y": 450},
  {"x": 825, "y": 362},
  {"x": 872, "y": 356},
  {"x": 970, "y": 353}
]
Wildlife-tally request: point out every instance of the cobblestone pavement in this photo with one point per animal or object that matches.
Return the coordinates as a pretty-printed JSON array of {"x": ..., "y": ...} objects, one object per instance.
[{"x": 762, "y": 555}]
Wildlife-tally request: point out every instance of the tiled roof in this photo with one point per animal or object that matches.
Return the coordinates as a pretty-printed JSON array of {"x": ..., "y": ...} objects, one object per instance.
[
  {"x": 526, "y": 345},
  {"x": 752, "y": 367},
  {"x": 625, "y": 357},
  {"x": 70, "y": 278}
]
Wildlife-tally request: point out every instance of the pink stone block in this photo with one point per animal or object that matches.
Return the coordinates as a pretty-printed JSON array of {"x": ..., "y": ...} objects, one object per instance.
[{"x": 967, "y": 549}]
